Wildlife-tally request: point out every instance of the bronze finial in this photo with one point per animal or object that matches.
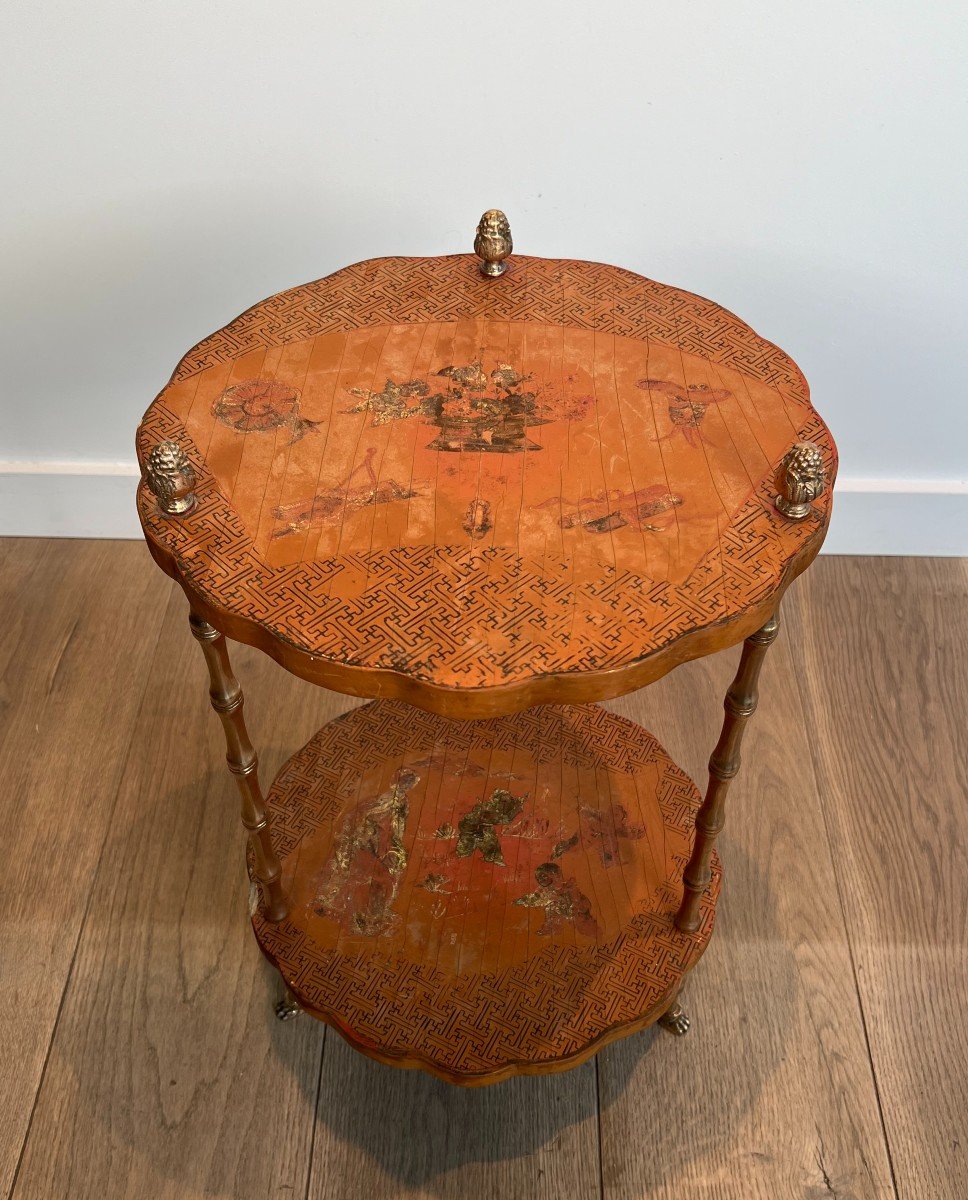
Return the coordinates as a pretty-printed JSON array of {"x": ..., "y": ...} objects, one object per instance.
[
  {"x": 171, "y": 477},
  {"x": 493, "y": 242},
  {"x": 800, "y": 480}
]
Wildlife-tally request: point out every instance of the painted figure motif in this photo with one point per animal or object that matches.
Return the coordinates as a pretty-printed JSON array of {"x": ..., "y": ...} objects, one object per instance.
[
  {"x": 562, "y": 900},
  {"x": 488, "y": 412},
  {"x": 687, "y": 405},
  {"x": 566, "y": 844},
  {"x": 369, "y": 857},
  {"x": 606, "y": 827},
  {"x": 475, "y": 829},
  {"x": 332, "y": 504},
  {"x": 259, "y": 406}
]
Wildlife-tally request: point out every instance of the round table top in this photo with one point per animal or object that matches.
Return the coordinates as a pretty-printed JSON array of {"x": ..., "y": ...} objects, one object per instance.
[{"x": 483, "y": 493}]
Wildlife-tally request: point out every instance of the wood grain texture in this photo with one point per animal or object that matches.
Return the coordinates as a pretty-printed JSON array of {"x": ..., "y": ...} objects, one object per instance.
[
  {"x": 387, "y": 1133},
  {"x": 483, "y": 899},
  {"x": 885, "y": 684},
  {"x": 479, "y": 495},
  {"x": 770, "y": 1094},
  {"x": 80, "y": 621},
  {"x": 168, "y": 1075}
]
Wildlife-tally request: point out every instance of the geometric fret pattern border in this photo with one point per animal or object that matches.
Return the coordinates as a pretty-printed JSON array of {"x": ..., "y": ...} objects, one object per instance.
[
  {"x": 551, "y": 1006},
  {"x": 578, "y": 295},
  {"x": 456, "y": 615},
  {"x": 395, "y": 623}
]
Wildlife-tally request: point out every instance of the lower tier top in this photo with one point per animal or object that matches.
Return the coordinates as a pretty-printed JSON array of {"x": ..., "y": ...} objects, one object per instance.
[{"x": 483, "y": 898}]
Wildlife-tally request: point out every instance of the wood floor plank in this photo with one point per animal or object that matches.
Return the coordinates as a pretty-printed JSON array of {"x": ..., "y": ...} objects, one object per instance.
[
  {"x": 886, "y": 684},
  {"x": 771, "y": 1093},
  {"x": 80, "y": 620},
  {"x": 387, "y": 1133},
  {"x": 841, "y": 935},
  {"x": 168, "y": 1076}
]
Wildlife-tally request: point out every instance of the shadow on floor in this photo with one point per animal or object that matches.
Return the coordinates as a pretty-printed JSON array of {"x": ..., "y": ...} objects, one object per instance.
[
  {"x": 409, "y": 1131},
  {"x": 205, "y": 1061}
]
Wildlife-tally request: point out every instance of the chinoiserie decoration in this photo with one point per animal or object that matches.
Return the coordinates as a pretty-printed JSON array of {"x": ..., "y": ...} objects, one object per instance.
[
  {"x": 800, "y": 480},
  {"x": 493, "y": 244},
  {"x": 171, "y": 477},
  {"x": 487, "y": 505}
]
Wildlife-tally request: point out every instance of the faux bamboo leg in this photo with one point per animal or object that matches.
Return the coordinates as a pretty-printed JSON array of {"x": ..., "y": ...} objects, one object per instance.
[
  {"x": 243, "y": 762},
  {"x": 740, "y": 704},
  {"x": 674, "y": 1019}
]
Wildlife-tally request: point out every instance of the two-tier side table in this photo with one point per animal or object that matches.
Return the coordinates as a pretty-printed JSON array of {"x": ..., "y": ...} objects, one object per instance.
[{"x": 484, "y": 491}]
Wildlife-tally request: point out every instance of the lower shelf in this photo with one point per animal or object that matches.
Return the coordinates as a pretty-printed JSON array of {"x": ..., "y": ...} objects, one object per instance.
[{"x": 484, "y": 898}]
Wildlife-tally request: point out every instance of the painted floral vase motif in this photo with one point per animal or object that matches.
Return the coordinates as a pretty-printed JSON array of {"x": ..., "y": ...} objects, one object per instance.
[{"x": 476, "y": 410}]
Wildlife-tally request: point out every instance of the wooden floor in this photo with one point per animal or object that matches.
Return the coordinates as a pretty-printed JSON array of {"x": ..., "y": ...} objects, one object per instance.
[{"x": 138, "y": 1054}]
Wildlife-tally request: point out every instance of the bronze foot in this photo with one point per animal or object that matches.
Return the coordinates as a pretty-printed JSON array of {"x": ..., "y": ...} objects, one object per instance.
[
  {"x": 674, "y": 1020},
  {"x": 287, "y": 1007}
]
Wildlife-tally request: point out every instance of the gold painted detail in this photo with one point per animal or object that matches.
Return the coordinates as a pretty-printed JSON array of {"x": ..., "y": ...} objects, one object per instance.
[
  {"x": 369, "y": 858},
  {"x": 474, "y": 409},
  {"x": 435, "y": 883},
  {"x": 800, "y": 480},
  {"x": 262, "y": 406},
  {"x": 565, "y": 845},
  {"x": 446, "y": 831},
  {"x": 476, "y": 828},
  {"x": 334, "y": 504},
  {"x": 393, "y": 402},
  {"x": 378, "y": 916},
  {"x": 562, "y": 901},
  {"x": 606, "y": 511},
  {"x": 171, "y": 477},
  {"x": 492, "y": 243}
]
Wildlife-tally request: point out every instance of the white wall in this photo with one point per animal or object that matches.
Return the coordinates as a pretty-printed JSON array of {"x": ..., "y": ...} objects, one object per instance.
[{"x": 168, "y": 164}]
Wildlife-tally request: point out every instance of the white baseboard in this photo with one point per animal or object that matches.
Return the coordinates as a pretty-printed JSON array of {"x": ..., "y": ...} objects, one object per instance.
[
  {"x": 899, "y": 516},
  {"x": 871, "y": 516},
  {"x": 55, "y": 499}
]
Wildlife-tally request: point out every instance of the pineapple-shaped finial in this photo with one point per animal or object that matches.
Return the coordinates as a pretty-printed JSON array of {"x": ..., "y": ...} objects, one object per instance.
[
  {"x": 171, "y": 477},
  {"x": 493, "y": 244},
  {"x": 800, "y": 480}
]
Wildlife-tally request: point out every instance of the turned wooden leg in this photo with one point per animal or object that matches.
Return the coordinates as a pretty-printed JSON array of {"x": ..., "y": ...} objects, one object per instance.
[
  {"x": 287, "y": 1007},
  {"x": 674, "y": 1019},
  {"x": 740, "y": 704},
  {"x": 243, "y": 762}
]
